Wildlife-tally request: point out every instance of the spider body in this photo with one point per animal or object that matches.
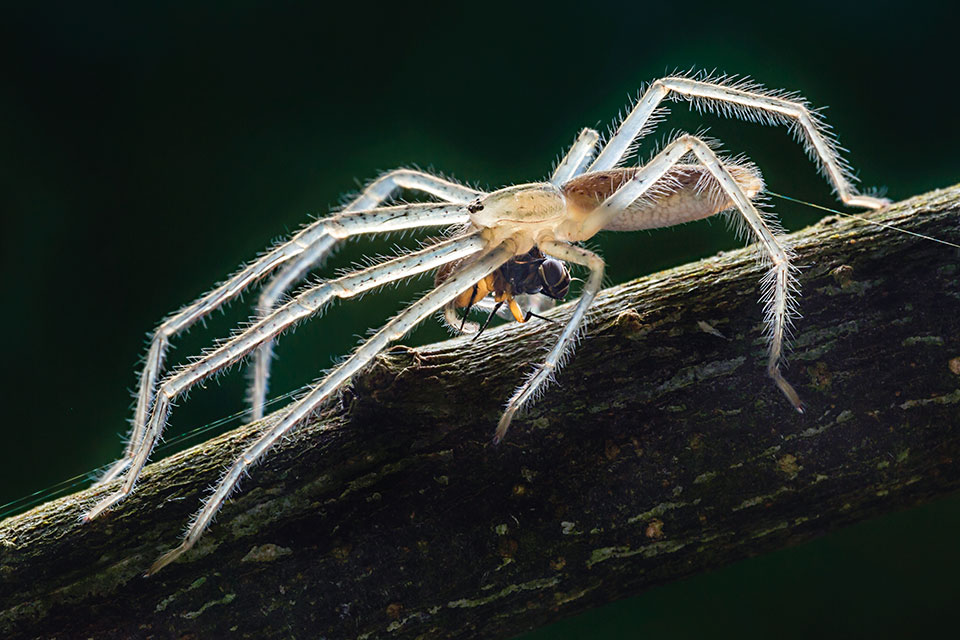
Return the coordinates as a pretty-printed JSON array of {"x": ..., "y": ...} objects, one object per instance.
[{"x": 511, "y": 243}]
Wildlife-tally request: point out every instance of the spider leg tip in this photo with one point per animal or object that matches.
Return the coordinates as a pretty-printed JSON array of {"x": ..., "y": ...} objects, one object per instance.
[
  {"x": 91, "y": 515},
  {"x": 163, "y": 561}
]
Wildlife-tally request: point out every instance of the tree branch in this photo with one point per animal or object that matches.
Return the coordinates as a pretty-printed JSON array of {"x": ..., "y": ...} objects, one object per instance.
[{"x": 663, "y": 451}]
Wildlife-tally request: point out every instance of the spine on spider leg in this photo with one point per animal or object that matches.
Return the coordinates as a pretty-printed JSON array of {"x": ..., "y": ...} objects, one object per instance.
[{"x": 642, "y": 118}]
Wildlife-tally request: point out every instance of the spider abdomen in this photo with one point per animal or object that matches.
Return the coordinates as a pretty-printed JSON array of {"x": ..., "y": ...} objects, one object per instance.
[{"x": 686, "y": 193}]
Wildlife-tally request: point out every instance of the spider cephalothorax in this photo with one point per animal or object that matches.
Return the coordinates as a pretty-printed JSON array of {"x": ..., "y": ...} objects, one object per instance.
[{"x": 513, "y": 242}]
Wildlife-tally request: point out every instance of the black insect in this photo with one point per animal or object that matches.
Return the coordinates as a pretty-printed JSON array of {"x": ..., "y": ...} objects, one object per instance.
[{"x": 527, "y": 274}]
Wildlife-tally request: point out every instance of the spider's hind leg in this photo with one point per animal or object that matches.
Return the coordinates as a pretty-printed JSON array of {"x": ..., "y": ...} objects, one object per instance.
[
  {"x": 779, "y": 285},
  {"x": 747, "y": 101}
]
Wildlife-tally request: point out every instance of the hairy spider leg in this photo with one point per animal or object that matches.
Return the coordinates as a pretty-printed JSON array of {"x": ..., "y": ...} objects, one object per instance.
[
  {"x": 564, "y": 345},
  {"x": 577, "y": 158},
  {"x": 778, "y": 286},
  {"x": 304, "y": 305},
  {"x": 376, "y": 193},
  {"x": 326, "y": 231},
  {"x": 395, "y": 329},
  {"x": 749, "y": 102}
]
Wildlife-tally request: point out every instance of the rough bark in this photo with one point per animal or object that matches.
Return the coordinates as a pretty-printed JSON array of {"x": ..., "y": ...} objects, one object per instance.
[{"x": 663, "y": 452}]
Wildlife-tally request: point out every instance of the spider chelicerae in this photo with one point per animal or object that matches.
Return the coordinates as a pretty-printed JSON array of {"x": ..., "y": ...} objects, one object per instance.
[{"x": 506, "y": 250}]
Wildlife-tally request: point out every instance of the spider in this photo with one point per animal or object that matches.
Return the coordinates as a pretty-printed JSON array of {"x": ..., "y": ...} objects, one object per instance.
[{"x": 507, "y": 247}]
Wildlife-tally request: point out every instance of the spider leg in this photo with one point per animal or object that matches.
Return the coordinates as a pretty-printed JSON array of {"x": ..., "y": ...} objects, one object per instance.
[
  {"x": 326, "y": 231},
  {"x": 395, "y": 329},
  {"x": 304, "y": 305},
  {"x": 778, "y": 285},
  {"x": 577, "y": 158},
  {"x": 748, "y": 102},
  {"x": 383, "y": 188},
  {"x": 565, "y": 343}
]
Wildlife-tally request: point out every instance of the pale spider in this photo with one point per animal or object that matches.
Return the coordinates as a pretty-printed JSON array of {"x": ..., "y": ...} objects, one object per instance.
[{"x": 506, "y": 243}]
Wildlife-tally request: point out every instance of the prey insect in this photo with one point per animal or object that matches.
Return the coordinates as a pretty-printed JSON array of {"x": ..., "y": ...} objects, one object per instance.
[
  {"x": 528, "y": 275},
  {"x": 505, "y": 249}
]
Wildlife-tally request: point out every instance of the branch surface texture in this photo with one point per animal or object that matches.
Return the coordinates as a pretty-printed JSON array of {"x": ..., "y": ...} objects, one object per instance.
[{"x": 663, "y": 451}]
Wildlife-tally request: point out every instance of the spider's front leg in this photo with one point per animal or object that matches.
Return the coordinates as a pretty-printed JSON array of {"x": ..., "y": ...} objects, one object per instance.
[
  {"x": 304, "y": 305},
  {"x": 376, "y": 193},
  {"x": 749, "y": 102},
  {"x": 381, "y": 190},
  {"x": 321, "y": 235},
  {"x": 555, "y": 359},
  {"x": 324, "y": 389}
]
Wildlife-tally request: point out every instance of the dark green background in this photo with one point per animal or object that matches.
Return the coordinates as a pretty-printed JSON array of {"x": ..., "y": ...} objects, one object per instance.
[{"x": 146, "y": 151}]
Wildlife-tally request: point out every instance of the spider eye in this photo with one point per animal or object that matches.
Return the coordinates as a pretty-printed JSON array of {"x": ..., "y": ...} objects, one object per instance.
[
  {"x": 473, "y": 207},
  {"x": 555, "y": 277}
]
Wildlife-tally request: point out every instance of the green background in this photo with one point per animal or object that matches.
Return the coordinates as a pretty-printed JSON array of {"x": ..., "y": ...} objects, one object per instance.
[{"x": 147, "y": 150}]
